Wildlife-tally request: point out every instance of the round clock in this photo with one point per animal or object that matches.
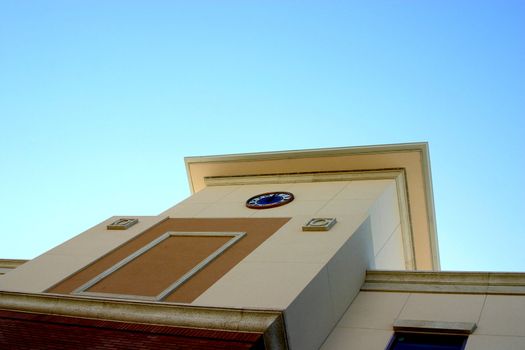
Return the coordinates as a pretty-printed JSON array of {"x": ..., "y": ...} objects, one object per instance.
[{"x": 269, "y": 200}]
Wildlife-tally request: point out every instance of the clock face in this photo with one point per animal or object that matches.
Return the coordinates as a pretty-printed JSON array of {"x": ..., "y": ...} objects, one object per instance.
[{"x": 269, "y": 200}]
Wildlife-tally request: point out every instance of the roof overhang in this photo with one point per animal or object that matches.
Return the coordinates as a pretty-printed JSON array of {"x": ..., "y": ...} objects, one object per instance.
[{"x": 413, "y": 158}]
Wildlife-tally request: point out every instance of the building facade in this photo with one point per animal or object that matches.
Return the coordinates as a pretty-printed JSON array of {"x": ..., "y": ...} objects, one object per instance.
[{"x": 316, "y": 249}]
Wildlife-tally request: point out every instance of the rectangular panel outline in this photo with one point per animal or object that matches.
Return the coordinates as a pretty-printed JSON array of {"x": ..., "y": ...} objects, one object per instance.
[{"x": 236, "y": 236}]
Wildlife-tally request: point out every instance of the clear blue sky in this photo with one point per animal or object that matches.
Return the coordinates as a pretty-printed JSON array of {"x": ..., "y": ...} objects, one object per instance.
[{"x": 101, "y": 100}]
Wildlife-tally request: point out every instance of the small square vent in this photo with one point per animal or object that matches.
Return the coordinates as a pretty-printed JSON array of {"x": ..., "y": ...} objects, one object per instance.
[
  {"x": 122, "y": 224},
  {"x": 319, "y": 224}
]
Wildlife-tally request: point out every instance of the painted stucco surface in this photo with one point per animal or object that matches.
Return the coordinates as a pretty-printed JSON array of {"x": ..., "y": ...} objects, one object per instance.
[{"x": 367, "y": 324}]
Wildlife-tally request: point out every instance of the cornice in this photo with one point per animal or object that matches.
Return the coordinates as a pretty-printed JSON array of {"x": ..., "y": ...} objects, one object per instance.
[
  {"x": 311, "y": 153},
  {"x": 306, "y": 153},
  {"x": 270, "y": 323},
  {"x": 11, "y": 263},
  {"x": 498, "y": 283},
  {"x": 303, "y": 177},
  {"x": 7, "y": 265}
]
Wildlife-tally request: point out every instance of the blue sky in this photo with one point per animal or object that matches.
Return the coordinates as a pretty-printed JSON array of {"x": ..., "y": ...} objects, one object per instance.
[{"x": 101, "y": 100}]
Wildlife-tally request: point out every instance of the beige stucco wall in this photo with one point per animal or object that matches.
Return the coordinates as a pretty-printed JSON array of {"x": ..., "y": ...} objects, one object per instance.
[
  {"x": 313, "y": 276},
  {"x": 44, "y": 271},
  {"x": 309, "y": 275},
  {"x": 386, "y": 231},
  {"x": 296, "y": 253},
  {"x": 368, "y": 322},
  {"x": 291, "y": 255}
]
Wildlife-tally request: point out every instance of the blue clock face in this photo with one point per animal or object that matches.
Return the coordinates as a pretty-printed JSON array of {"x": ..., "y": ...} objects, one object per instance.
[{"x": 269, "y": 200}]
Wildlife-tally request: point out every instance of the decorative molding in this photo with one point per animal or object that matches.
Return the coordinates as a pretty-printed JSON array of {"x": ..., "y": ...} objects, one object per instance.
[
  {"x": 236, "y": 236},
  {"x": 270, "y": 323},
  {"x": 409, "y": 249},
  {"x": 11, "y": 263},
  {"x": 312, "y": 153},
  {"x": 429, "y": 202},
  {"x": 307, "y": 177},
  {"x": 504, "y": 283},
  {"x": 8, "y": 265},
  {"x": 419, "y": 326}
]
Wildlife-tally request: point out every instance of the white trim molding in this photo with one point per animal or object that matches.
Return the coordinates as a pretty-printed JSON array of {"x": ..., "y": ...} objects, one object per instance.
[
  {"x": 499, "y": 283},
  {"x": 442, "y": 327},
  {"x": 7, "y": 265}
]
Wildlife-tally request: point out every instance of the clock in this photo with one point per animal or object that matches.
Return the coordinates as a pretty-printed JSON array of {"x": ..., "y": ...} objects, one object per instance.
[{"x": 269, "y": 200}]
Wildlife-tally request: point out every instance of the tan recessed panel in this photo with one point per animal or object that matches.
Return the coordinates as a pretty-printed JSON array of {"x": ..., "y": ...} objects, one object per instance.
[{"x": 151, "y": 272}]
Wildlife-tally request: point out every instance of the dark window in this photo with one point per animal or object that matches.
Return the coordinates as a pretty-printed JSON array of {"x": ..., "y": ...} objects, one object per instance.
[{"x": 421, "y": 341}]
